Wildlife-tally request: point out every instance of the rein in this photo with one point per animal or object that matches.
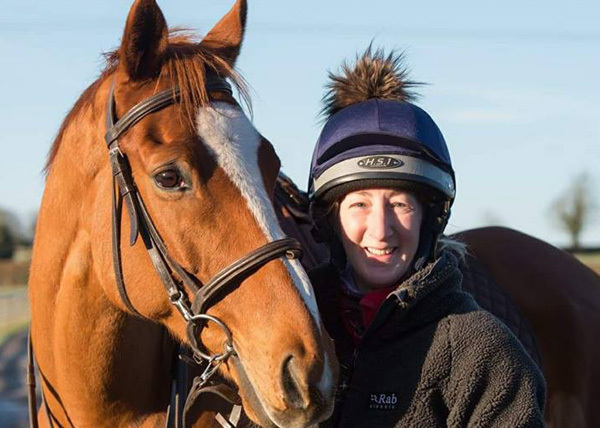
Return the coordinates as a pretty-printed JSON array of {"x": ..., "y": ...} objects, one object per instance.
[{"x": 124, "y": 189}]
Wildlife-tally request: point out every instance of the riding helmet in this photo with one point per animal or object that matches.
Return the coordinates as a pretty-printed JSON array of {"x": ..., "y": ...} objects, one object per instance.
[{"x": 375, "y": 137}]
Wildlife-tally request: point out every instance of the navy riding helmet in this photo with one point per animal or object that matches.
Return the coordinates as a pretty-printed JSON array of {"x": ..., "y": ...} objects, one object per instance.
[{"x": 385, "y": 143}]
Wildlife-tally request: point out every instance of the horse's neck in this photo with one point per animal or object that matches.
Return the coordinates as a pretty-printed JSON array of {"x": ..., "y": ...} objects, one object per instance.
[
  {"x": 61, "y": 251},
  {"x": 99, "y": 365},
  {"x": 106, "y": 368}
]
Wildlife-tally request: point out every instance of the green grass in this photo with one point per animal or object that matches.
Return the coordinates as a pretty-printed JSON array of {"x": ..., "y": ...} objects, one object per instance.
[
  {"x": 590, "y": 260},
  {"x": 14, "y": 310},
  {"x": 9, "y": 330},
  {"x": 12, "y": 288}
]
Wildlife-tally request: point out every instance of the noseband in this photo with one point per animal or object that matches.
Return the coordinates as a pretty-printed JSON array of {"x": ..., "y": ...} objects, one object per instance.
[{"x": 141, "y": 225}]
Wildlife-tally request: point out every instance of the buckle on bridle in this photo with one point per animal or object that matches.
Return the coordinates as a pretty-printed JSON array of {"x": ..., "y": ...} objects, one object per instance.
[
  {"x": 115, "y": 150},
  {"x": 180, "y": 301}
]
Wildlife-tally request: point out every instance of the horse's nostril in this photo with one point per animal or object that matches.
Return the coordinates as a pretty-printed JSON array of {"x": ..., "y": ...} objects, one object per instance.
[{"x": 295, "y": 393}]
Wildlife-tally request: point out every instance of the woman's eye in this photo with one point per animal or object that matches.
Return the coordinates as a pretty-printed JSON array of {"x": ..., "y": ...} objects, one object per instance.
[
  {"x": 169, "y": 179},
  {"x": 402, "y": 206}
]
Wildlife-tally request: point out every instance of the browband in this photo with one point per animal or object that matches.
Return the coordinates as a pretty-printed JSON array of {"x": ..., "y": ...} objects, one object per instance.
[{"x": 150, "y": 105}]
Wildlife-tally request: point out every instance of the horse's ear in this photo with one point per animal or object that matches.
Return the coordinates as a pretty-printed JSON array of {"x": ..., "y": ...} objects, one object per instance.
[
  {"x": 227, "y": 35},
  {"x": 145, "y": 40}
]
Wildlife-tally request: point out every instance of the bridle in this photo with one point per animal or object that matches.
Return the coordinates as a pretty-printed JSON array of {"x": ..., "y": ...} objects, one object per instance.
[{"x": 140, "y": 222}]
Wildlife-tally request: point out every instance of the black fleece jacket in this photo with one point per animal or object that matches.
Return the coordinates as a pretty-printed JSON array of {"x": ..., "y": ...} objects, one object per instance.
[{"x": 431, "y": 358}]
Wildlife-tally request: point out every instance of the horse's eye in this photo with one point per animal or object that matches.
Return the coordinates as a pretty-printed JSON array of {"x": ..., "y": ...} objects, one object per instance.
[{"x": 169, "y": 179}]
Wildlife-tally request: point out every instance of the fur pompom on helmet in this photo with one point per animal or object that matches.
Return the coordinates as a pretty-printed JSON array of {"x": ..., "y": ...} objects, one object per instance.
[{"x": 373, "y": 75}]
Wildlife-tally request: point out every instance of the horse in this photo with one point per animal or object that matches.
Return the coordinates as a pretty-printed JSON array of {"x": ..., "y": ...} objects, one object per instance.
[
  {"x": 549, "y": 299},
  {"x": 559, "y": 298},
  {"x": 206, "y": 265}
]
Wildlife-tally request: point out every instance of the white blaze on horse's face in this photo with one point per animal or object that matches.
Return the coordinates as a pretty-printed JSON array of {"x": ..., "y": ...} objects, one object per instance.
[{"x": 234, "y": 142}]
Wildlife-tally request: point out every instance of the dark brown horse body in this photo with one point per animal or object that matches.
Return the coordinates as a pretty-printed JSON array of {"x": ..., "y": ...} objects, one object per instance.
[
  {"x": 560, "y": 299},
  {"x": 548, "y": 298}
]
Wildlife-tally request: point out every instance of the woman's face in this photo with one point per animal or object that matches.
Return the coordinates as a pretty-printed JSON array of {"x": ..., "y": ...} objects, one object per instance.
[{"x": 379, "y": 229}]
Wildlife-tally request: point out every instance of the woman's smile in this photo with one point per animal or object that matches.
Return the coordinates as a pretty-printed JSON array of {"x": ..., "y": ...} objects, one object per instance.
[{"x": 380, "y": 252}]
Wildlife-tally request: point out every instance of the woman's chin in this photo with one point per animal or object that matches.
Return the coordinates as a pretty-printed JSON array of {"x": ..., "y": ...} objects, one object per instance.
[{"x": 382, "y": 276}]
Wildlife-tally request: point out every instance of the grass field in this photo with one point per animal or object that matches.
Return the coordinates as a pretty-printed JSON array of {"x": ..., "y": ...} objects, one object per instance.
[
  {"x": 14, "y": 272},
  {"x": 591, "y": 260},
  {"x": 14, "y": 310}
]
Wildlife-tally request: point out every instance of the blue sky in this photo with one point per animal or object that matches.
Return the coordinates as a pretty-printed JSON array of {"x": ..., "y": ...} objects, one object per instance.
[{"x": 513, "y": 85}]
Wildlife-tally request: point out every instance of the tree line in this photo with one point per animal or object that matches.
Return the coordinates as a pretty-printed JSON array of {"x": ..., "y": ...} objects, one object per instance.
[
  {"x": 13, "y": 233},
  {"x": 576, "y": 209}
]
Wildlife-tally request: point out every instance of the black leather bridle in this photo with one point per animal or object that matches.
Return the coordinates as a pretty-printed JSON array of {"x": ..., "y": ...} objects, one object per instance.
[
  {"x": 124, "y": 189},
  {"x": 141, "y": 223}
]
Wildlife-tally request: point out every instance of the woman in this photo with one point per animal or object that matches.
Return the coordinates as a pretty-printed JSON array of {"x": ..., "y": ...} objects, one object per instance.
[{"x": 414, "y": 349}]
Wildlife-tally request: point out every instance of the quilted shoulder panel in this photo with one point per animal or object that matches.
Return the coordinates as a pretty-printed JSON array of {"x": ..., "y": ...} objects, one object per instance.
[{"x": 490, "y": 296}]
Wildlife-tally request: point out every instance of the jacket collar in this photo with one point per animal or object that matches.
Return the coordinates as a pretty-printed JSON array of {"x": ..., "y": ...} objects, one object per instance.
[
  {"x": 428, "y": 279},
  {"x": 422, "y": 298}
]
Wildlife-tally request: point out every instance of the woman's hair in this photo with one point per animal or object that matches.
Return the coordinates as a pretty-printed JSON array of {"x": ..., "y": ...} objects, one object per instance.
[{"x": 455, "y": 246}]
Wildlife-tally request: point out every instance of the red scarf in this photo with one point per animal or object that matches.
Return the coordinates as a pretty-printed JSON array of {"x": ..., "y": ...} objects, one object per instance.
[
  {"x": 371, "y": 302},
  {"x": 358, "y": 313}
]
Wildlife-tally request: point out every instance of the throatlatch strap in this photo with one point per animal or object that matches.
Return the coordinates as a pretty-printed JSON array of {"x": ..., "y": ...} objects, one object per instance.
[
  {"x": 31, "y": 396},
  {"x": 117, "y": 204},
  {"x": 162, "y": 249},
  {"x": 49, "y": 414}
]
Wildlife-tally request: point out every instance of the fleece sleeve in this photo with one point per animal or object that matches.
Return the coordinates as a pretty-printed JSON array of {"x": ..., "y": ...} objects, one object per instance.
[{"x": 493, "y": 382}]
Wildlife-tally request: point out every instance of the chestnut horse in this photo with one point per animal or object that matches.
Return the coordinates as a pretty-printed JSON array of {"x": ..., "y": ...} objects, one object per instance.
[
  {"x": 196, "y": 180},
  {"x": 549, "y": 299}
]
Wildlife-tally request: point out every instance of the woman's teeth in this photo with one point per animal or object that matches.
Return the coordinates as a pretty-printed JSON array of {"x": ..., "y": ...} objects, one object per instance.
[{"x": 380, "y": 252}]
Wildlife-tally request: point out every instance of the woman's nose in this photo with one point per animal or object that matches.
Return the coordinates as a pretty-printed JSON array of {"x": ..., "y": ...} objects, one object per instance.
[{"x": 379, "y": 223}]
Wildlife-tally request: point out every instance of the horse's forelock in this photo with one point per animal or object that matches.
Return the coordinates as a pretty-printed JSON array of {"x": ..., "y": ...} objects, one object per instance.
[{"x": 184, "y": 65}]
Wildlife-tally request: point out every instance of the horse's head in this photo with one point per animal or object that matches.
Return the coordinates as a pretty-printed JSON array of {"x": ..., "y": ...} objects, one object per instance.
[{"x": 206, "y": 177}]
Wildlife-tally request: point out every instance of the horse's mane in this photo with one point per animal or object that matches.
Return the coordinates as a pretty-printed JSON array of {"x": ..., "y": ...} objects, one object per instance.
[{"x": 185, "y": 64}]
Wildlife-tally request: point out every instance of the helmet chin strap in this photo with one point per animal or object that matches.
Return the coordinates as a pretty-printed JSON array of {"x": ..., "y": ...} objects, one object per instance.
[{"x": 434, "y": 223}]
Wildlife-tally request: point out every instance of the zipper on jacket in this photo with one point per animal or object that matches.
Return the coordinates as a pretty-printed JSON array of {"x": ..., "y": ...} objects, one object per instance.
[
  {"x": 349, "y": 379},
  {"x": 377, "y": 321}
]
